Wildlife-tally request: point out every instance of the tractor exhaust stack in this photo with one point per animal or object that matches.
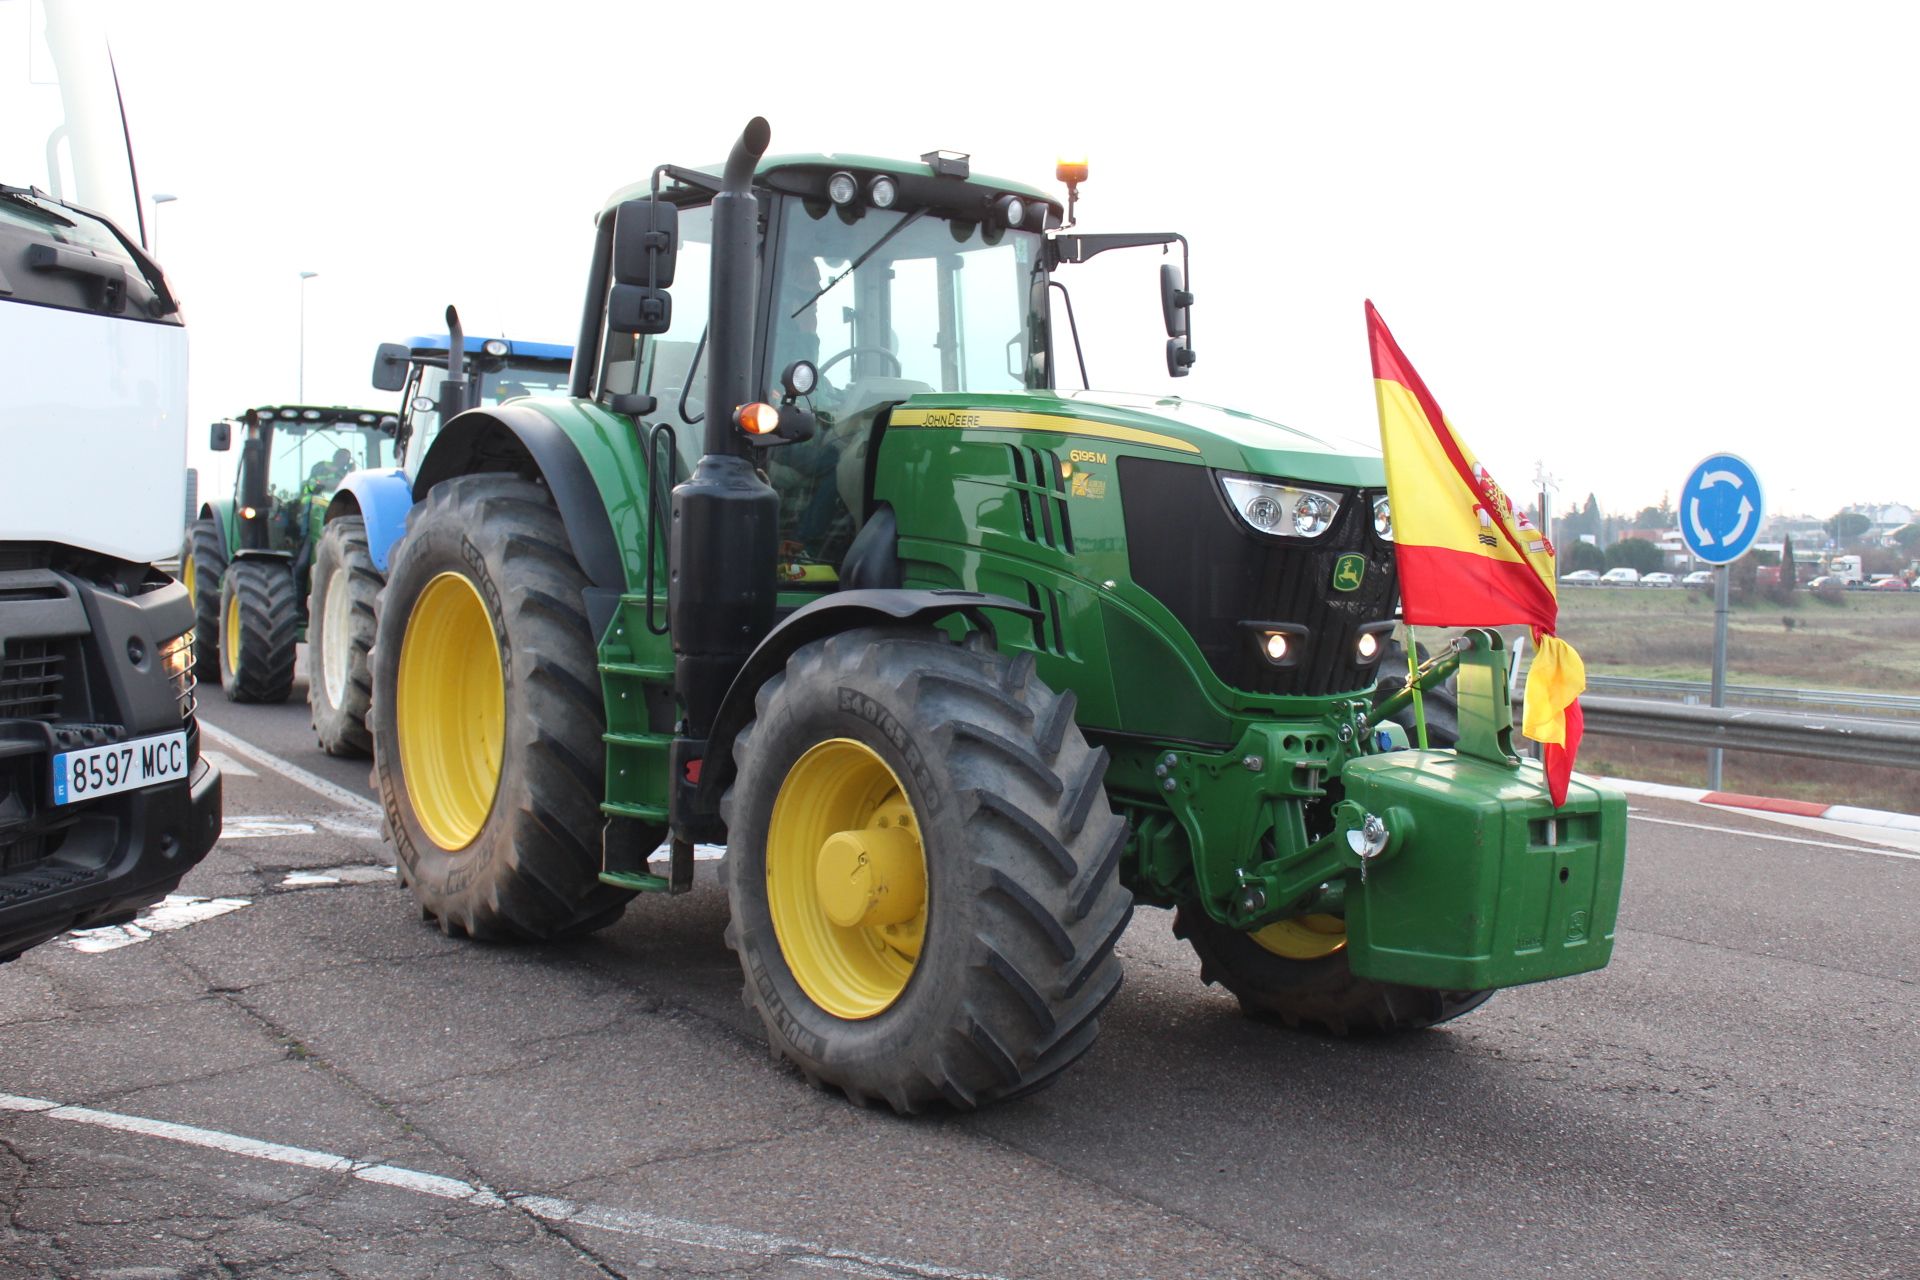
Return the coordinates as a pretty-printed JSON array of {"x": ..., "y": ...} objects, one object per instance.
[{"x": 726, "y": 518}]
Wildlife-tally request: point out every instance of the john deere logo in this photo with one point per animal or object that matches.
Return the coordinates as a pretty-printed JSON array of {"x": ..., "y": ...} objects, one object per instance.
[{"x": 1348, "y": 570}]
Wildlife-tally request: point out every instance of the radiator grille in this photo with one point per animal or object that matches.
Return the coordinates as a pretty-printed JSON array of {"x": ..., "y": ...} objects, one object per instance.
[
  {"x": 31, "y": 675},
  {"x": 1186, "y": 547}
]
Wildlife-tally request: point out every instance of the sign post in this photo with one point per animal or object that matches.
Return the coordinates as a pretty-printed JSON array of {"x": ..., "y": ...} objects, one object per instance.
[{"x": 1720, "y": 513}]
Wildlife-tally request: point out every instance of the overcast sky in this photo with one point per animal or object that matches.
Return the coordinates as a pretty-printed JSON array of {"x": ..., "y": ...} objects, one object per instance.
[{"x": 1613, "y": 240}]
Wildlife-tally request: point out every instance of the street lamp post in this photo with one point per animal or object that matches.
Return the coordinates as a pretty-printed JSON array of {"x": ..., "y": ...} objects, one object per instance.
[
  {"x": 158, "y": 199},
  {"x": 304, "y": 277}
]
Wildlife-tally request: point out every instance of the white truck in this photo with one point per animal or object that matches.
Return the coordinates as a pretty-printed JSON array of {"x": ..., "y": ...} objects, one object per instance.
[
  {"x": 1848, "y": 569},
  {"x": 105, "y": 801}
]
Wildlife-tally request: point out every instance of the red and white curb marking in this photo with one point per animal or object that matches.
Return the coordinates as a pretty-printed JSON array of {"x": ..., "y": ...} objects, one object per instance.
[{"x": 1766, "y": 804}]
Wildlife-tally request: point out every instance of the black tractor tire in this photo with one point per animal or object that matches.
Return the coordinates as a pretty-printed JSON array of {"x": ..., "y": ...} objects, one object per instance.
[
  {"x": 1320, "y": 994},
  {"x": 1023, "y": 899},
  {"x": 259, "y": 668},
  {"x": 206, "y": 551},
  {"x": 531, "y": 870},
  {"x": 340, "y": 685},
  {"x": 1441, "y": 702}
]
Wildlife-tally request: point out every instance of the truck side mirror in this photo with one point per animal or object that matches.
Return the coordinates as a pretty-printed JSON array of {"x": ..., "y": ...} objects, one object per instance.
[
  {"x": 1175, "y": 301},
  {"x": 646, "y": 237},
  {"x": 221, "y": 438},
  {"x": 390, "y": 367}
]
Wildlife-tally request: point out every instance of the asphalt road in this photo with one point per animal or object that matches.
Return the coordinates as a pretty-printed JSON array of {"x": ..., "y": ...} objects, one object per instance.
[{"x": 315, "y": 1083}]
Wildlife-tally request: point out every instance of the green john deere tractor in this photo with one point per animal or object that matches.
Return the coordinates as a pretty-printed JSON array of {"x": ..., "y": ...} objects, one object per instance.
[
  {"x": 818, "y": 561},
  {"x": 246, "y": 560}
]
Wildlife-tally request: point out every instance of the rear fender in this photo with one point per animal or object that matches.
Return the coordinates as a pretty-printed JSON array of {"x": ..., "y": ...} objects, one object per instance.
[
  {"x": 382, "y": 500},
  {"x": 589, "y": 459}
]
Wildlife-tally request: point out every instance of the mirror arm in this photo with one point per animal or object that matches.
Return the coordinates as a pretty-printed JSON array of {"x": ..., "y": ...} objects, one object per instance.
[{"x": 1061, "y": 249}]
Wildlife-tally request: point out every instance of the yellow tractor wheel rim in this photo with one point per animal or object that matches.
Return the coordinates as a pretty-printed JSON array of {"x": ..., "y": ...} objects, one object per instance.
[
  {"x": 450, "y": 711},
  {"x": 186, "y": 575},
  {"x": 1304, "y": 937},
  {"x": 846, "y": 879},
  {"x": 230, "y": 637}
]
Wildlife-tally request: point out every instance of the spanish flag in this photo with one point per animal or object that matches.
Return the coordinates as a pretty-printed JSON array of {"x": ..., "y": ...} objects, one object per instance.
[{"x": 1468, "y": 557}]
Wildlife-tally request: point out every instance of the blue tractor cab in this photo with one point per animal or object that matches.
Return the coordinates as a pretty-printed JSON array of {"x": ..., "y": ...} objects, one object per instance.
[{"x": 368, "y": 511}]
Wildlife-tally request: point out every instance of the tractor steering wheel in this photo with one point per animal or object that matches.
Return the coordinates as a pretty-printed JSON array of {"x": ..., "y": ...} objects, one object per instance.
[{"x": 891, "y": 358}]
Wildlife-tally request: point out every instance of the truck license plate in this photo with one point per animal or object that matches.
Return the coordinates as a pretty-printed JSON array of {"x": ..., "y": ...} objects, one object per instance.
[{"x": 123, "y": 766}]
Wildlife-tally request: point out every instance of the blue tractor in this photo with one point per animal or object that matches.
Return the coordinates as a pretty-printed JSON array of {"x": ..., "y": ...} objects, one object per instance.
[{"x": 368, "y": 511}]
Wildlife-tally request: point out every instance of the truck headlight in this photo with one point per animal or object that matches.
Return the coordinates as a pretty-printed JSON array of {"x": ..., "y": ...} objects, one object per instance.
[
  {"x": 176, "y": 659},
  {"x": 1283, "y": 510}
]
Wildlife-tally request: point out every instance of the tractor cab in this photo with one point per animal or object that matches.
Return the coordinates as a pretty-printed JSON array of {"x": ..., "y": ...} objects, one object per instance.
[
  {"x": 495, "y": 369},
  {"x": 292, "y": 458},
  {"x": 885, "y": 280}
]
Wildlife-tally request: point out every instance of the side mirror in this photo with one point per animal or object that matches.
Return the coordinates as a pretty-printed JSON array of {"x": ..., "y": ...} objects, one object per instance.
[
  {"x": 646, "y": 235},
  {"x": 1175, "y": 301},
  {"x": 634, "y": 308},
  {"x": 390, "y": 367},
  {"x": 221, "y": 438},
  {"x": 1180, "y": 357}
]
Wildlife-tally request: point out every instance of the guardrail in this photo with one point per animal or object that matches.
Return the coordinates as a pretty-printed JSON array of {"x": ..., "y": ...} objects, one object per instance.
[
  {"x": 1680, "y": 689},
  {"x": 1838, "y": 738}
]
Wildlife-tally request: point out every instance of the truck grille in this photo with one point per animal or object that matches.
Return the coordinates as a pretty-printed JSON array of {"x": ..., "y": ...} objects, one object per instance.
[
  {"x": 31, "y": 673},
  {"x": 1195, "y": 556}
]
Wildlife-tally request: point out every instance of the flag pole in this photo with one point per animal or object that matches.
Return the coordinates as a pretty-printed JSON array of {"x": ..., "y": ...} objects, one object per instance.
[{"x": 1413, "y": 683}]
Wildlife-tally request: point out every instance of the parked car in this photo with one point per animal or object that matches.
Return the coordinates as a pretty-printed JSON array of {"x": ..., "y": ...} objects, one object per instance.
[
  {"x": 1621, "y": 577},
  {"x": 1826, "y": 580},
  {"x": 1698, "y": 578},
  {"x": 1892, "y": 584},
  {"x": 1580, "y": 577},
  {"x": 1657, "y": 580}
]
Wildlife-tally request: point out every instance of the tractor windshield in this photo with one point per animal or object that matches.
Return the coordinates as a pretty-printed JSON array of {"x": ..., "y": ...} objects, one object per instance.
[
  {"x": 315, "y": 458},
  {"x": 893, "y": 299},
  {"x": 510, "y": 380}
]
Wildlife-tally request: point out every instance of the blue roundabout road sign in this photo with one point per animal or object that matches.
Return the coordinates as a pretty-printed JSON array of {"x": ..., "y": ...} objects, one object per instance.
[{"x": 1720, "y": 509}]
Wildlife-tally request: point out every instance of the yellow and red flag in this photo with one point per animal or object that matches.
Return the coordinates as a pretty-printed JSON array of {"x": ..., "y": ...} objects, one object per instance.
[{"x": 1468, "y": 557}]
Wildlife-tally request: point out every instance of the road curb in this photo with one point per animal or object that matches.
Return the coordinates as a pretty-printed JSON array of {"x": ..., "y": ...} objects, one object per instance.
[{"x": 1769, "y": 804}]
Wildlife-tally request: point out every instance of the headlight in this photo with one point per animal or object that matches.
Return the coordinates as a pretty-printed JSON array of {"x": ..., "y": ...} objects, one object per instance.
[
  {"x": 1383, "y": 518},
  {"x": 1283, "y": 510},
  {"x": 176, "y": 659}
]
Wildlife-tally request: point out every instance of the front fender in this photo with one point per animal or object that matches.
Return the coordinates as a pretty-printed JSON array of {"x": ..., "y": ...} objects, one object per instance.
[
  {"x": 382, "y": 499},
  {"x": 829, "y": 615}
]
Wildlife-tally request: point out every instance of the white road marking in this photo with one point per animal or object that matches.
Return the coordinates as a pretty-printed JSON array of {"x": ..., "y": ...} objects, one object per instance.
[
  {"x": 337, "y": 876},
  {"x": 351, "y": 801},
  {"x": 1764, "y": 835},
  {"x": 627, "y": 1222},
  {"x": 701, "y": 853},
  {"x": 175, "y": 911},
  {"x": 232, "y": 828},
  {"x": 228, "y": 765}
]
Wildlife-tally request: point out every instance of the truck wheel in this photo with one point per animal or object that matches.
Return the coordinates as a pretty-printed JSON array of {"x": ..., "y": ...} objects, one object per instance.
[
  {"x": 922, "y": 870},
  {"x": 1296, "y": 971},
  {"x": 203, "y": 563},
  {"x": 340, "y": 611},
  {"x": 487, "y": 717},
  {"x": 260, "y": 623}
]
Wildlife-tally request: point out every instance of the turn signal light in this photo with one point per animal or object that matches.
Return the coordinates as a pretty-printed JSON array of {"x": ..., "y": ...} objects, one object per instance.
[
  {"x": 248, "y": 513},
  {"x": 757, "y": 419}
]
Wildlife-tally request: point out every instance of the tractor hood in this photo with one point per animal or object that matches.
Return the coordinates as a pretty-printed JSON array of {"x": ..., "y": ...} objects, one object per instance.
[{"x": 1168, "y": 426}]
